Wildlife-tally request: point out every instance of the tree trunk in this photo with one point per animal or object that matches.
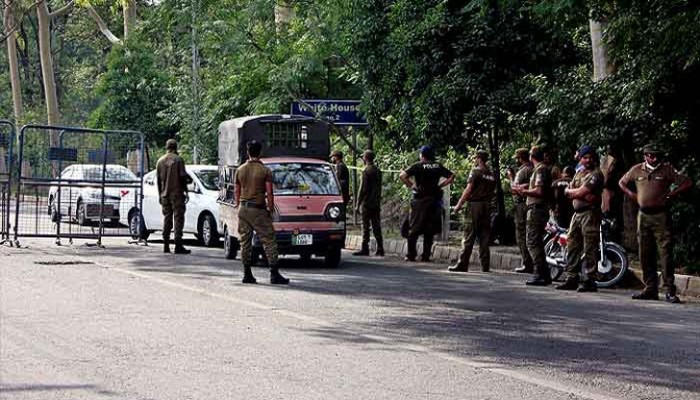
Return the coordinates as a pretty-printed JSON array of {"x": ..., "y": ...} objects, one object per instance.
[
  {"x": 129, "y": 11},
  {"x": 602, "y": 67},
  {"x": 9, "y": 20},
  {"x": 496, "y": 165},
  {"x": 284, "y": 14},
  {"x": 52, "y": 113}
]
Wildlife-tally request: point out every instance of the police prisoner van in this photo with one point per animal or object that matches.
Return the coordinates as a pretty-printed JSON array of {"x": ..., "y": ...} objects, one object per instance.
[{"x": 309, "y": 215}]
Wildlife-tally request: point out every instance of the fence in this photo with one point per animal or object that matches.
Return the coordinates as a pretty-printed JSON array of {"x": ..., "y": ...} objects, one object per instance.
[
  {"x": 7, "y": 137},
  {"x": 71, "y": 182}
]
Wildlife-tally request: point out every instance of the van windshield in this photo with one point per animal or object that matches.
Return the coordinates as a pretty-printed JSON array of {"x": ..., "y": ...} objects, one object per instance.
[{"x": 303, "y": 179}]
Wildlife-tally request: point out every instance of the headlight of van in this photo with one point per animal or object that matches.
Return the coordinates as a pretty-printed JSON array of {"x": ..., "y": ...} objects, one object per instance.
[{"x": 334, "y": 212}]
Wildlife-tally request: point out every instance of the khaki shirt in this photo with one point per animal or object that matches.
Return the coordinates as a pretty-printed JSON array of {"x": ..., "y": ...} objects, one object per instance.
[
  {"x": 172, "y": 177},
  {"x": 593, "y": 180},
  {"x": 484, "y": 184},
  {"x": 251, "y": 177},
  {"x": 541, "y": 177},
  {"x": 522, "y": 177},
  {"x": 653, "y": 185},
  {"x": 371, "y": 190}
]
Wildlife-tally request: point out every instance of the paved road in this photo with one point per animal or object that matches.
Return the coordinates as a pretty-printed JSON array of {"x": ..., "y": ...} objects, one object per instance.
[{"x": 128, "y": 322}]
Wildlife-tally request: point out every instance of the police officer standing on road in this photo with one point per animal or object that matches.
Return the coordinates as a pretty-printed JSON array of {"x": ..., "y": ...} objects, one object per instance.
[
  {"x": 343, "y": 175},
  {"x": 172, "y": 189},
  {"x": 253, "y": 186},
  {"x": 539, "y": 194},
  {"x": 521, "y": 180},
  {"x": 425, "y": 207},
  {"x": 586, "y": 191},
  {"x": 369, "y": 202},
  {"x": 654, "y": 181},
  {"x": 479, "y": 193}
]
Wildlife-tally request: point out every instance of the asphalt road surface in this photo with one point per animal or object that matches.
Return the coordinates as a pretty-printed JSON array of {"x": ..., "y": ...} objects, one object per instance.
[{"x": 128, "y": 322}]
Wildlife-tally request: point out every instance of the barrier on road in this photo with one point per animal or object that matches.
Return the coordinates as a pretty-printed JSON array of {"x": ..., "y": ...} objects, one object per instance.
[
  {"x": 72, "y": 182},
  {"x": 7, "y": 137}
]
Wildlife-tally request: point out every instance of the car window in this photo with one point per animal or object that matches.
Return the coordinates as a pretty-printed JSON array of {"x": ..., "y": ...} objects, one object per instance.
[
  {"x": 67, "y": 173},
  {"x": 94, "y": 173},
  {"x": 303, "y": 179},
  {"x": 209, "y": 179},
  {"x": 150, "y": 179}
]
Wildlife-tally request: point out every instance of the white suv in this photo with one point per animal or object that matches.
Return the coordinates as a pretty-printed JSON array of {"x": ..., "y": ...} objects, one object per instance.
[
  {"x": 201, "y": 216},
  {"x": 81, "y": 192}
]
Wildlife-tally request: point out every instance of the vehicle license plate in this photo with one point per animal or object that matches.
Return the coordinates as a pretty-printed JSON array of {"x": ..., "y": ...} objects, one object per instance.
[
  {"x": 302, "y": 240},
  {"x": 93, "y": 210}
]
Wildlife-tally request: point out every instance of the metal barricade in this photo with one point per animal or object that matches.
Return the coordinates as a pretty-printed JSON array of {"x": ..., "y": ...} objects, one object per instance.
[
  {"x": 75, "y": 183},
  {"x": 7, "y": 138}
]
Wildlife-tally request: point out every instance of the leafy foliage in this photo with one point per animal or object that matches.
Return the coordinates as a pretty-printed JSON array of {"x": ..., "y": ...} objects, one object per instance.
[{"x": 495, "y": 74}]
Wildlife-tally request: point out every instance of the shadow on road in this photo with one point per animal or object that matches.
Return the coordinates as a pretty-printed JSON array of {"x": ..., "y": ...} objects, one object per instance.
[{"x": 602, "y": 337}]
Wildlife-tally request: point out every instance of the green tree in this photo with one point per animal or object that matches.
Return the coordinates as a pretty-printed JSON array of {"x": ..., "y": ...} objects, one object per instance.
[{"x": 133, "y": 93}]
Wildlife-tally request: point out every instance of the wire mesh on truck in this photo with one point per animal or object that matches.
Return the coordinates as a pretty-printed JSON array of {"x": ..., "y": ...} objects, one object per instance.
[
  {"x": 7, "y": 137},
  {"x": 75, "y": 183}
]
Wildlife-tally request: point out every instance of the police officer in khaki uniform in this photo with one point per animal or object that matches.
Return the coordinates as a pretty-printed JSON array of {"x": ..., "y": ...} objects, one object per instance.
[
  {"x": 369, "y": 202},
  {"x": 539, "y": 196},
  {"x": 253, "y": 186},
  {"x": 172, "y": 189},
  {"x": 423, "y": 178},
  {"x": 343, "y": 175},
  {"x": 656, "y": 185},
  {"x": 586, "y": 191},
  {"x": 478, "y": 194},
  {"x": 521, "y": 180}
]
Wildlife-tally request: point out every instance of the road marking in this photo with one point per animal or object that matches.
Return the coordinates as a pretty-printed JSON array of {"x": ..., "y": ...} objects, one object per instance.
[{"x": 495, "y": 368}]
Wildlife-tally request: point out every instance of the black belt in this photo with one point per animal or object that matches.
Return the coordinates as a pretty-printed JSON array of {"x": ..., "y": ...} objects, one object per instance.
[
  {"x": 251, "y": 204},
  {"x": 652, "y": 210},
  {"x": 536, "y": 205}
]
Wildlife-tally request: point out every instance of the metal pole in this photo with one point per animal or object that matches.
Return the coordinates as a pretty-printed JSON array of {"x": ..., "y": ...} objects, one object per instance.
[
  {"x": 19, "y": 182},
  {"x": 196, "y": 82},
  {"x": 58, "y": 191},
  {"x": 139, "y": 198},
  {"x": 354, "y": 176},
  {"x": 105, "y": 149}
]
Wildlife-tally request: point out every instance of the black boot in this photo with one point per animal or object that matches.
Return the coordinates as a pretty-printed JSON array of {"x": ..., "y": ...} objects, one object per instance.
[
  {"x": 427, "y": 248},
  {"x": 411, "y": 251},
  {"x": 248, "y": 275},
  {"x": 646, "y": 295},
  {"x": 166, "y": 245},
  {"x": 180, "y": 249},
  {"x": 588, "y": 286},
  {"x": 276, "y": 278},
  {"x": 380, "y": 250},
  {"x": 364, "y": 251},
  {"x": 569, "y": 284}
]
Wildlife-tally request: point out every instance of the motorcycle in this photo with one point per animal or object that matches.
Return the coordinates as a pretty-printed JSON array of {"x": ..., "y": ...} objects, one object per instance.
[{"x": 613, "y": 263}]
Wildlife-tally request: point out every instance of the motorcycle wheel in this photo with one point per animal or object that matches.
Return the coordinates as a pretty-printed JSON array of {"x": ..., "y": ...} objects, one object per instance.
[
  {"x": 613, "y": 268},
  {"x": 552, "y": 249}
]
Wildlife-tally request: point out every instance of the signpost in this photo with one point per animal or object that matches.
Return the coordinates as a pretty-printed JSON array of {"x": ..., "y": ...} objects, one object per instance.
[{"x": 337, "y": 112}]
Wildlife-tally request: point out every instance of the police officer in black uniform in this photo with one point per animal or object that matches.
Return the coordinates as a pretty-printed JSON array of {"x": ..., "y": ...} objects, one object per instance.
[{"x": 423, "y": 178}]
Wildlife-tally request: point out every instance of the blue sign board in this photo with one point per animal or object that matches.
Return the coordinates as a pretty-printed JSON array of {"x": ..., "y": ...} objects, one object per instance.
[{"x": 338, "y": 112}]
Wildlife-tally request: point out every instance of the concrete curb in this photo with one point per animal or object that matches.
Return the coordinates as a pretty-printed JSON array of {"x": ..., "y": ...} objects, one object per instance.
[{"x": 503, "y": 258}]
